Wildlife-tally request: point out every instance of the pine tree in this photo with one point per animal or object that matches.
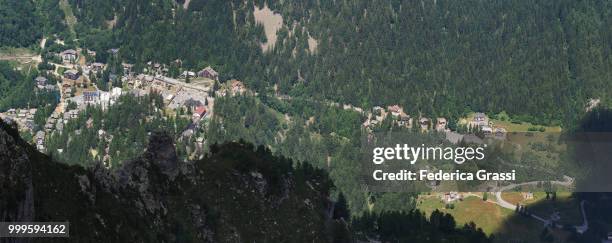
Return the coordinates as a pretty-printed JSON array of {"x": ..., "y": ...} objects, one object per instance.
[{"x": 341, "y": 208}]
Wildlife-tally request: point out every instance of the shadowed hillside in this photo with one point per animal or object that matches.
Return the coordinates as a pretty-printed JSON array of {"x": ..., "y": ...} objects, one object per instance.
[
  {"x": 235, "y": 194},
  {"x": 590, "y": 146}
]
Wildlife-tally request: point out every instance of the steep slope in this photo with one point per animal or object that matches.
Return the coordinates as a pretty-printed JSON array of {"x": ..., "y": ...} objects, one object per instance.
[
  {"x": 438, "y": 58},
  {"x": 19, "y": 25},
  {"x": 235, "y": 194}
]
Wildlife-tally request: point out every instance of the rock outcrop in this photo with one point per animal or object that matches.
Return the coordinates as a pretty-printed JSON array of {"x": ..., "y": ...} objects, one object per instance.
[
  {"x": 234, "y": 194},
  {"x": 15, "y": 179}
]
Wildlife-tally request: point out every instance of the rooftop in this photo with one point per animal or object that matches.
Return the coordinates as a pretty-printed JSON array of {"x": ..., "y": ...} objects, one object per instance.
[
  {"x": 69, "y": 52},
  {"x": 479, "y": 115},
  {"x": 200, "y": 110},
  {"x": 71, "y": 71},
  {"x": 210, "y": 70}
]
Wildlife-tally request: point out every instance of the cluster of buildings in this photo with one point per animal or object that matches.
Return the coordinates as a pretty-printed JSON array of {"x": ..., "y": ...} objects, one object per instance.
[
  {"x": 176, "y": 94},
  {"x": 71, "y": 81},
  {"x": 232, "y": 87},
  {"x": 53, "y": 123},
  {"x": 72, "y": 74},
  {"x": 96, "y": 97},
  {"x": 71, "y": 55},
  {"x": 449, "y": 197},
  {"x": 43, "y": 84},
  {"x": 24, "y": 118},
  {"x": 481, "y": 121},
  {"x": 75, "y": 89},
  {"x": 68, "y": 56},
  {"x": 188, "y": 98},
  {"x": 208, "y": 72},
  {"x": 401, "y": 119},
  {"x": 156, "y": 69},
  {"x": 40, "y": 141}
]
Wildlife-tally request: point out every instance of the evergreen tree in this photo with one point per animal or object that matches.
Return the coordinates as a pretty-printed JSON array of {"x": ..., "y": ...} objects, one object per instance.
[{"x": 341, "y": 208}]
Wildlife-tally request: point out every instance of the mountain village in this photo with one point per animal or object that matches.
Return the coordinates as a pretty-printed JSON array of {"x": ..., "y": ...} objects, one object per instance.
[{"x": 193, "y": 91}]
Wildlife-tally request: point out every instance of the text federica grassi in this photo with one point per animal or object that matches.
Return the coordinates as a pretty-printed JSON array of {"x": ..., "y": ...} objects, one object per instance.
[{"x": 410, "y": 153}]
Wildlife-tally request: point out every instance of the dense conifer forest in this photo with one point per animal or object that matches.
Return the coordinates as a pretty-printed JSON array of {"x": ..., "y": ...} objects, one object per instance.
[
  {"x": 18, "y": 90},
  {"x": 533, "y": 61},
  {"x": 23, "y": 23},
  {"x": 537, "y": 60}
]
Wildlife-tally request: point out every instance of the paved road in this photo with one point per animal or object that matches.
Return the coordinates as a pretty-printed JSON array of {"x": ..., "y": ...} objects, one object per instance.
[
  {"x": 183, "y": 84},
  {"x": 585, "y": 224},
  {"x": 568, "y": 182},
  {"x": 503, "y": 203}
]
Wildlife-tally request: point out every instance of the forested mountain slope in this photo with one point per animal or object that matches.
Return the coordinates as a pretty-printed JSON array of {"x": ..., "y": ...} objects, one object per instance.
[
  {"x": 18, "y": 24},
  {"x": 23, "y": 22},
  {"x": 538, "y": 60}
]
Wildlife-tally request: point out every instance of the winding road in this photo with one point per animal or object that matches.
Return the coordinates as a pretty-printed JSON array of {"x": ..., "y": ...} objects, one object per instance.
[{"x": 568, "y": 182}]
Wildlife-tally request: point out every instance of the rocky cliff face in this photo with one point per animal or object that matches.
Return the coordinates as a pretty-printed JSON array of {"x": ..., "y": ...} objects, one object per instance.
[
  {"x": 16, "y": 178},
  {"x": 234, "y": 194}
]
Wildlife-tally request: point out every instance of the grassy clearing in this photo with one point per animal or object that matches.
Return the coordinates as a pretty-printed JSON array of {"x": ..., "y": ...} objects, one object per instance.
[
  {"x": 20, "y": 58},
  {"x": 513, "y": 197},
  {"x": 493, "y": 219},
  {"x": 70, "y": 19},
  {"x": 522, "y": 127},
  {"x": 12, "y": 51},
  {"x": 486, "y": 215},
  {"x": 510, "y": 126}
]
